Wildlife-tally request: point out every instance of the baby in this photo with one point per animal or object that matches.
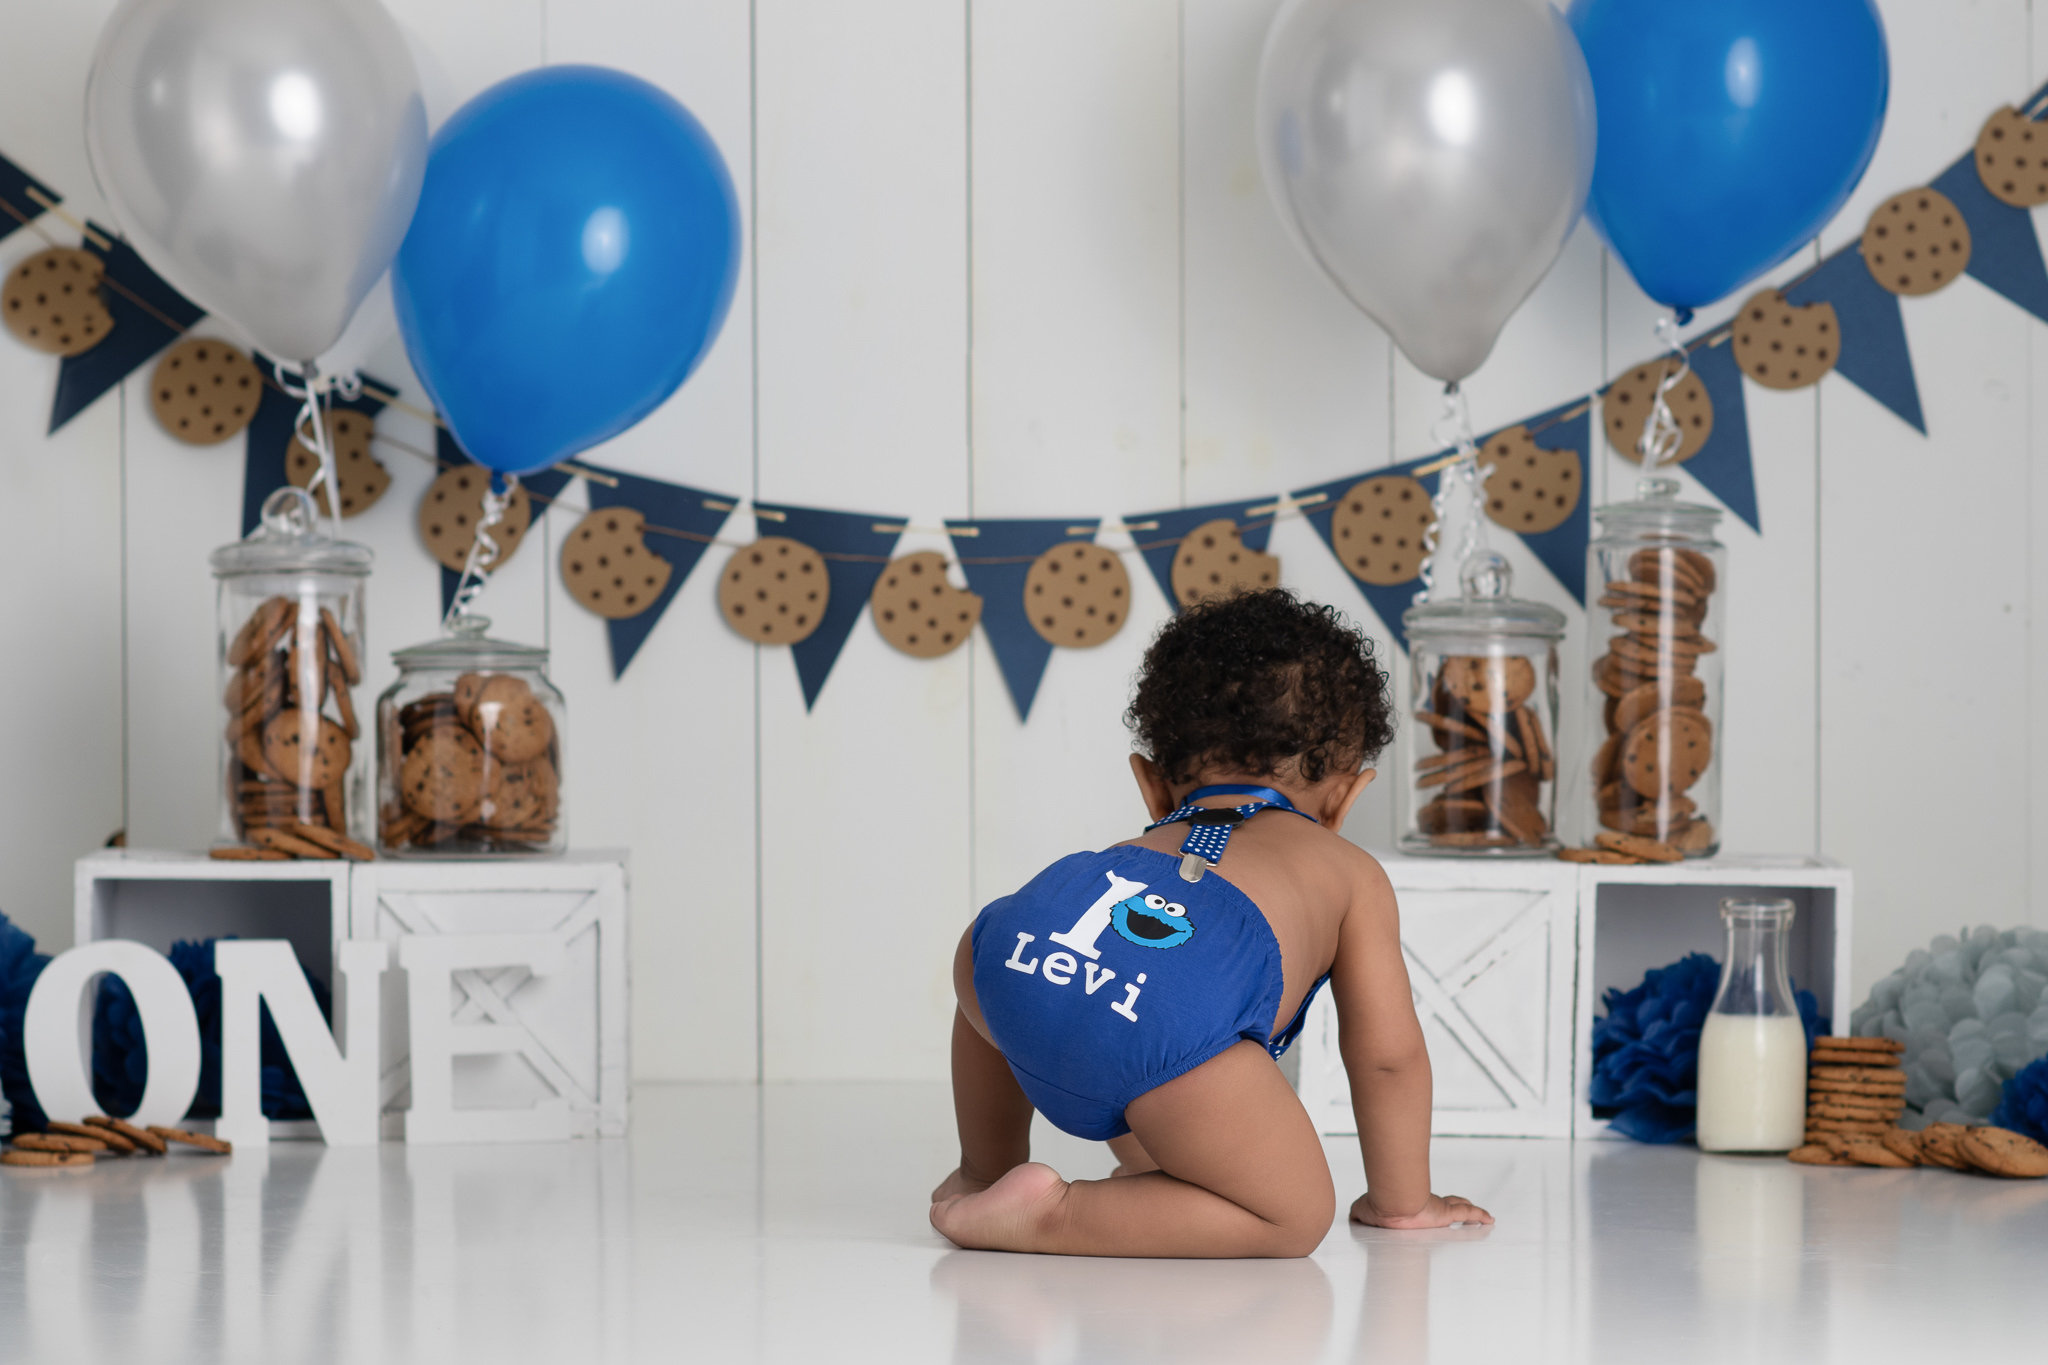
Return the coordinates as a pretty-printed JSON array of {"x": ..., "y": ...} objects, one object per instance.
[{"x": 1141, "y": 994}]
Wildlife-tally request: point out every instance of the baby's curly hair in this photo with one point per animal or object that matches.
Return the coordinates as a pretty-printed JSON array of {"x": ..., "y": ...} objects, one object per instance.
[{"x": 1263, "y": 683}]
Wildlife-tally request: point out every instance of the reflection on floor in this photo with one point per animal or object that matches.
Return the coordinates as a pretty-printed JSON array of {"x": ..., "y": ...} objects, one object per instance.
[{"x": 788, "y": 1224}]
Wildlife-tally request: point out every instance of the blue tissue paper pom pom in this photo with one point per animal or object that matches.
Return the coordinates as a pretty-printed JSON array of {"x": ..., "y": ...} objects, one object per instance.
[
  {"x": 20, "y": 965},
  {"x": 1646, "y": 1050},
  {"x": 2023, "y": 1107}
]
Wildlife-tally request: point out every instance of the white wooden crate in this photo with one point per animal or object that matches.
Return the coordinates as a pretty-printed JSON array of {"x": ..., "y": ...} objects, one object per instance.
[
  {"x": 1489, "y": 951},
  {"x": 531, "y": 956},
  {"x": 158, "y": 898},
  {"x": 1634, "y": 918},
  {"x": 1508, "y": 960}
]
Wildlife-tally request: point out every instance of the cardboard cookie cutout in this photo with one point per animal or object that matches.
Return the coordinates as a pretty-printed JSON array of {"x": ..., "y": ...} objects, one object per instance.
[
  {"x": 1625, "y": 406},
  {"x": 1781, "y": 346},
  {"x": 1213, "y": 561},
  {"x": 2012, "y": 159},
  {"x": 363, "y": 480},
  {"x": 607, "y": 566},
  {"x": 1531, "y": 490},
  {"x": 1379, "y": 529},
  {"x": 1077, "y": 595},
  {"x": 774, "y": 591},
  {"x": 453, "y": 506},
  {"x": 918, "y": 611},
  {"x": 52, "y": 301},
  {"x": 1916, "y": 242},
  {"x": 205, "y": 391}
]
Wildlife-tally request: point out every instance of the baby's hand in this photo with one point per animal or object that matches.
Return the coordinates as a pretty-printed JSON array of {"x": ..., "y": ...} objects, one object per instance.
[
  {"x": 1440, "y": 1211},
  {"x": 957, "y": 1184}
]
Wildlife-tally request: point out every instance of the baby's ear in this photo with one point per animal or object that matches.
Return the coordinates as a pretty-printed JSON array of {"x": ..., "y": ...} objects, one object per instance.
[
  {"x": 1152, "y": 785},
  {"x": 1346, "y": 797}
]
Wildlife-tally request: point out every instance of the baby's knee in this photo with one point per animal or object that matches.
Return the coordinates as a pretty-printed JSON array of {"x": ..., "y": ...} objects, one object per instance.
[{"x": 1301, "y": 1218}]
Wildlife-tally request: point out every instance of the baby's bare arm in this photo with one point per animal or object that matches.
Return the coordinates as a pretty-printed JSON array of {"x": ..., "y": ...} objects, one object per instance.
[{"x": 1380, "y": 1040}]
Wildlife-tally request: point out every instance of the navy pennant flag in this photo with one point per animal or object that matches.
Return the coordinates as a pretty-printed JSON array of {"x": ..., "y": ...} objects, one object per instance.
[
  {"x": 267, "y": 442},
  {"x": 2005, "y": 251},
  {"x": 1562, "y": 548},
  {"x": 1158, "y": 534},
  {"x": 681, "y": 524},
  {"x": 19, "y": 205},
  {"x": 1874, "y": 354},
  {"x": 1021, "y": 652},
  {"x": 1723, "y": 465},
  {"x": 148, "y": 316},
  {"x": 1388, "y": 601},
  {"x": 541, "y": 489},
  {"x": 871, "y": 539}
]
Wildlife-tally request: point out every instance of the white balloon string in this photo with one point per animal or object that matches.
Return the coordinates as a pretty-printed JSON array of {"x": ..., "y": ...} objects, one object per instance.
[
  {"x": 1661, "y": 433},
  {"x": 1454, "y": 428},
  {"x": 483, "y": 551},
  {"x": 311, "y": 430}
]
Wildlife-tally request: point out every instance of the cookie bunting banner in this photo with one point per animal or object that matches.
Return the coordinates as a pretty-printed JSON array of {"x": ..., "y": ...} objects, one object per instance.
[
  {"x": 2005, "y": 251},
  {"x": 1872, "y": 330},
  {"x": 148, "y": 316},
  {"x": 22, "y": 197},
  {"x": 1562, "y": 548},
  {"x": 267, "y": 441},
  {"x": 856, "y": 546},
  {"x": 685, "y": 520},
  {"x": 1158, "y": 534},
  {"x": 1995, "y": 241},
  {"x": 1722, "y": 466},
  {"x": 1318, "y": 504},
  {"x": 997, "y": 563}
]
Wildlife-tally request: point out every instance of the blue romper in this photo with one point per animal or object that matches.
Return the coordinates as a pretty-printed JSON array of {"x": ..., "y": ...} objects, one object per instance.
[{"x": 1111, "y": 973}]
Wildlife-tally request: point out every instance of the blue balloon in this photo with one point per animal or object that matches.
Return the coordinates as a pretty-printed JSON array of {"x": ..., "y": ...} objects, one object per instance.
[
  {"x": 572, "y": 257},
  {"x": 1730, "y": 131}
]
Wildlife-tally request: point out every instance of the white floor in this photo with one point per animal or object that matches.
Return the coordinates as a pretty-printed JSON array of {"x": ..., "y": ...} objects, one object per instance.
[{"x": 788, "y": 1224}]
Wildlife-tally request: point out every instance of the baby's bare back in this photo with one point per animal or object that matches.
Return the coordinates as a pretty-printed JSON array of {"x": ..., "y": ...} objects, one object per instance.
[{"x": 1303, "y": 878}]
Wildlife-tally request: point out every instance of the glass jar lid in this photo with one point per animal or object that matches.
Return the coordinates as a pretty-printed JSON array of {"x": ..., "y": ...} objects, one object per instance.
[
  {"x": 1485, "y": 606},
  {"x": 467, "y": 648},
  {"x": 1657, "y": 511},
  {"x": 290, "y": 538}
]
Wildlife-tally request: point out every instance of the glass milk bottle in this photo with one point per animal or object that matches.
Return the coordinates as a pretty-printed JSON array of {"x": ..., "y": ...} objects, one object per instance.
[{"x": 1752, "y": 1087}]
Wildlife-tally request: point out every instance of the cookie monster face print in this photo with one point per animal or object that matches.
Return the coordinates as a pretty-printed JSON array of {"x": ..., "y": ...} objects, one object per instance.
[{"x": 1152, "y": 921}]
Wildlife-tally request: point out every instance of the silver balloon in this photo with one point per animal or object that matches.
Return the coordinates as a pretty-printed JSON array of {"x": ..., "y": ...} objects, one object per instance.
[
  {"x": 1430, "y": 155},
  {"x": 264, "y": 156}
]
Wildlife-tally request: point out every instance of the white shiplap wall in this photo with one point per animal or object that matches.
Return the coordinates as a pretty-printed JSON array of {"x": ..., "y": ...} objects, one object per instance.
[{"x": 1013, "y": 257}]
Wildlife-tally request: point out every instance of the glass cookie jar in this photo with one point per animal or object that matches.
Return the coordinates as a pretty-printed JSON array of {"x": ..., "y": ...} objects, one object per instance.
[
  {"x": 1482, "y": 769},
  {"x": 1657, "y": 669},
  {"x": 469, "y": 750},
  {"x": 289, "y": 611}
]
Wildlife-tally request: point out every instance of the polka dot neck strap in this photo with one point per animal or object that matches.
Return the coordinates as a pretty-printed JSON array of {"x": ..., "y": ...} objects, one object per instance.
[{"x": 1212, "y": 825}]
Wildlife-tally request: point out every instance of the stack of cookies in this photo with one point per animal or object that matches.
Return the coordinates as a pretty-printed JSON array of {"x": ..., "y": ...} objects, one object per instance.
[
  {"x": 1616, "y": 849},
  {"x": 81, "y": 1144},
  {"x": 476, "y": 769},
  {"x": 291, "y": 733},
  {"x": 1854, "y": 1087},
  {"x": 1855, "y": 1092},
  {"x": 1658, "y": 742},
  {"x": 1483, "y": 787}
]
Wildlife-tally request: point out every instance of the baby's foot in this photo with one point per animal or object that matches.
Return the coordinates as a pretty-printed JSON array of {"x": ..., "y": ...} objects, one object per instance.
[{"x": 1007, "y": 1215}]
